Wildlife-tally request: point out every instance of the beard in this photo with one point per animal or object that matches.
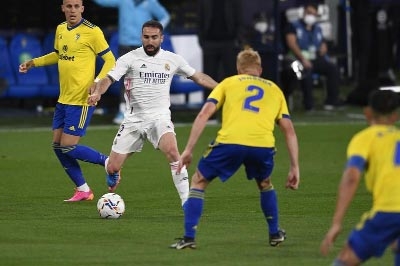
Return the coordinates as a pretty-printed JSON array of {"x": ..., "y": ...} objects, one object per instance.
[{"x": 151, "y": 52}]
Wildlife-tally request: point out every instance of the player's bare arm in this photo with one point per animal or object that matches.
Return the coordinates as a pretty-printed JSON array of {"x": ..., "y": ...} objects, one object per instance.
[
  {"x": 287, "y": 128},
  {"x": 204, "y": 80},
  {"x": 198, "y": 126},
  {"x": 99, "y": 89},
  {"x": 347, "y": 188}
]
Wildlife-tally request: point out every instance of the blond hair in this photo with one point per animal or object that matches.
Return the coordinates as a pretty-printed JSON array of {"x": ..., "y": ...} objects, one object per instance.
[{"x": 248, "y": 59}]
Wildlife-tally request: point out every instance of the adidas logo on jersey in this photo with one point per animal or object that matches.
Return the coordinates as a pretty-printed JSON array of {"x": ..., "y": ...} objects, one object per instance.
[{"x": 143, "y": 66}]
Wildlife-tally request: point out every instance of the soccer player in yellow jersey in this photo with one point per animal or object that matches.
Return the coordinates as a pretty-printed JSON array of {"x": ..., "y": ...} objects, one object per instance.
[
  {"x": 251, "y": 106},
  {"x": 77, "y": 44},
  {"x": 375, "y": 150}
]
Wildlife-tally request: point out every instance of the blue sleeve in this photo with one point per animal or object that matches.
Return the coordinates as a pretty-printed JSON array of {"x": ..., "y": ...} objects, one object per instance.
[
  {"x": 160, "y": 13},
  {"x": 107, "y": 3},
  {"x": 356, "y": 161},
  {"x": 212, "y": 100}
]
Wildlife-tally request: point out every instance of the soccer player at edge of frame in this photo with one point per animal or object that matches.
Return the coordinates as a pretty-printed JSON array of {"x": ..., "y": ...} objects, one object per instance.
[
  {"x": 373, "y": 151},
  {"x": 83, "y": 41},
  {"x": 251, "y": 108},
  {"x": 148, "y": 72}
]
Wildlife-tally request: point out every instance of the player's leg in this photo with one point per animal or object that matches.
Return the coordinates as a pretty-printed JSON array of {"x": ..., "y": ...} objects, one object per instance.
[
  {"x": 193, "y": 211},
  {"x": 76, "y": 121},
  {"x": 259, "y": 164},
  {"x": 161, "y": 134},
  {"x": 222, "y": 161},
  {"x": 346, "y": 257},
  {"x": 396, "y": 251},
  {"x": 69, "y": 125},
  {"x": 113, "y": 168},
  {"x": 374, "y": 233},
  {"x": 269, "y": 207},
  {"x": 72, "y": 169},
  {"x": 169, "y": 147},
  {"x": 70, "y": 147},
  {"x": 127, "y": 141}
]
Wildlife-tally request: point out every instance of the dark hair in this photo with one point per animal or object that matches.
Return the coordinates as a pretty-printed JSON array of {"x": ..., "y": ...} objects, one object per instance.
[
  {"x": 311, "y": 4},
  {"x": 153, "y": 24},
  {"x": 383, "y": 102}
]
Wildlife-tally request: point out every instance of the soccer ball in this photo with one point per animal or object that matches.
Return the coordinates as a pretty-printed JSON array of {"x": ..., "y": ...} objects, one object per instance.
[{"x": 110, "y": 206}]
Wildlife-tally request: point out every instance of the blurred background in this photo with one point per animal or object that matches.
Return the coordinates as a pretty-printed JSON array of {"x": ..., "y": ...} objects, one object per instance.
[{"x": 363, "y": 38}]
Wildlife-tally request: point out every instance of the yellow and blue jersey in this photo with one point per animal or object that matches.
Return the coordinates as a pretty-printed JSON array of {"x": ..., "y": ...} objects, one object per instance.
[
  {"x": 76, "y": 49},
  {"x": 250, "y": 108},
  {"x": 376, "y": 150}
]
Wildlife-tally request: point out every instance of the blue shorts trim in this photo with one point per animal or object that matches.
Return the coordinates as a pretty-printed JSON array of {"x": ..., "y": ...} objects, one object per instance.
[
  {"x": 377, "y": 231},
  {"x": 73, "y": 119},
  {"x": 223, "y": 160}
]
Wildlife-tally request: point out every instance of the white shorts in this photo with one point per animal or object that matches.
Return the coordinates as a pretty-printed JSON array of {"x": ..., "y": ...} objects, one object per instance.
[{"x": 132, "y": 135}]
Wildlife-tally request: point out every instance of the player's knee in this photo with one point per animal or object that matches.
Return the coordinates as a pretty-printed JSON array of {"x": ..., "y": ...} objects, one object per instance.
[
  {"x": 265, "y": 184},
  {"x": 395, "y": 246},
  {"x": 198, "y": 181},
  {"x": 172, "y": 154}
]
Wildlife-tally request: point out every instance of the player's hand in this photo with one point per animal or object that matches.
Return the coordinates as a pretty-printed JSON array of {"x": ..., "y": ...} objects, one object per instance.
[
  {"x": 293, "y": 179},
  {"x": 92, "y": 88},
  {"x": 94, "y": 96},
  {"x": 24, "y": 67},
  {"x": 329, "y": 239},
  {"x": 185, "y": 160},
  {"x": 93, "y": 99}
]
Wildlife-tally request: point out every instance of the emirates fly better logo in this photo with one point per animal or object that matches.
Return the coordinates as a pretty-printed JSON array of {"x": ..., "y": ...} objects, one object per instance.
[{"x": 155, "y": 78}]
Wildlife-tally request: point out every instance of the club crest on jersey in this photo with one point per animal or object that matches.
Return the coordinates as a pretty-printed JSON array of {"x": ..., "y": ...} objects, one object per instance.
[
  {"x": 167, "y": 67},
  {"x": 77, "y": 36}
]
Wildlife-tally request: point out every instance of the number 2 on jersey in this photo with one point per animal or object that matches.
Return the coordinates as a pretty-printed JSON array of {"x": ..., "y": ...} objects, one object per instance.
[{"x": 248, "y": 102}]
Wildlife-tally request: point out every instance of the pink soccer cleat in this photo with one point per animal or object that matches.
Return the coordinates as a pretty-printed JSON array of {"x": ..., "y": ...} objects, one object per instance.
[{"x": 81, "y": 195}]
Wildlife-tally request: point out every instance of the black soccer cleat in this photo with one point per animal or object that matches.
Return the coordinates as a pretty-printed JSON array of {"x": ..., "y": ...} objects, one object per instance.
[
  {"x": 276, "y": 239},
  {"x": 183, "y": 243}
]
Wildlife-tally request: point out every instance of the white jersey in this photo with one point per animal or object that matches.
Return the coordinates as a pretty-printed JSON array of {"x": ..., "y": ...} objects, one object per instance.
[{"x": 147, "y": 81}]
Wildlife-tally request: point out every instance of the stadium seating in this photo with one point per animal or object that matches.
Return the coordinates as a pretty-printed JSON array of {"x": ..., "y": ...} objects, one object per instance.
[
  {"x": 52, "y": 88},
  {"x": 6, "y": 71},
  {"x": 43, "y": 82},
  {"x": 22, "y": 47}
]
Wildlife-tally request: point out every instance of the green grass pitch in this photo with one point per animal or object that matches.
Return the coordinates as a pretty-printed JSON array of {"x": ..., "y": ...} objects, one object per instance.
[{"x": 38, "y": 228}]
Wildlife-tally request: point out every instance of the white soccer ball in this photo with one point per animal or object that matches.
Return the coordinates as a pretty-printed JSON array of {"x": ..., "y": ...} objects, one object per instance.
[{"x": 111, "y": 206}]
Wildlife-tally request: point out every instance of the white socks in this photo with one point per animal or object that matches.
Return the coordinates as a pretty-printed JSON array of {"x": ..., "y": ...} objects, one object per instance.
[
  {"x": 181, "y": 181},
  {"x": 84, "y": 188}
]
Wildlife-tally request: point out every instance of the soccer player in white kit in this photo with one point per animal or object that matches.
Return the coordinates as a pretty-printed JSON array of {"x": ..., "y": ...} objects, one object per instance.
[{"x": 148, "y": 74}]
